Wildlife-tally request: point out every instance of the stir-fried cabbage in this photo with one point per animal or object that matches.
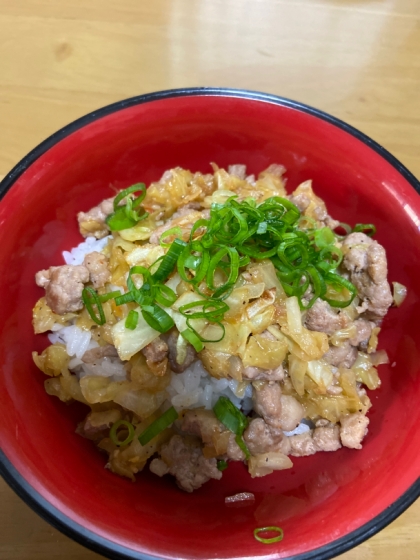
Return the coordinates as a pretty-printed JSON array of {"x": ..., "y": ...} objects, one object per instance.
[
  {"x": 264, "y": 353},
  {"x": 53, "y": 361},
  {"x": 265, "y": 463},
  {"x": 129, "y": 341}
]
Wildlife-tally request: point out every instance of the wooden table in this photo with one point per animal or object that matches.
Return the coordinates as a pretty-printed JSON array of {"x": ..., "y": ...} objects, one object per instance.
[{"x": 356, "y": 59}]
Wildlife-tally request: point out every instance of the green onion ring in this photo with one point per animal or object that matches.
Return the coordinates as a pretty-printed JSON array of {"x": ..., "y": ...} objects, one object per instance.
[
  {"x": 157, "y": 318},
  {"x": 191, "y": 336},
  {"x": 114, "y": 436},
  {"x": 132, "y": 320},
  {"x": 367, "y": 229},
  {"x": 158, "y": 425},
  {"x": 272, "y": 529},
  {"x": 90, "y": 298},
  {"x": 173, "y": 231}
]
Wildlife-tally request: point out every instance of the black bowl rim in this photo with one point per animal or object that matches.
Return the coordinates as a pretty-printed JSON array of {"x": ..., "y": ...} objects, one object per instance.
[{"x": 50, "y": 513}]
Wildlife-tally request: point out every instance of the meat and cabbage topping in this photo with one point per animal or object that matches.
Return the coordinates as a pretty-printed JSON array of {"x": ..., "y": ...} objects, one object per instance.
[{"x": 215, "y": 318}]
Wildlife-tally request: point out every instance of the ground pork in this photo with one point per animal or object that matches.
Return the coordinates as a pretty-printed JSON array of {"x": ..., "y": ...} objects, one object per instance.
[
  {"x": 353, "y": 429},
  {"x": 302, "y": 445},
  {"x": 156, "y": 354},
  {"x": 267, "y": 403},
  {"x": 341, "y": 356},
  {"x": 321, "y": 317},
  {"x": 234, "y": 452},
  {"x": 97, "y": 424},
  {"x": 97, "y": 265},
  {"x": 95, "y": 354},
  {"x": 63, "y": 287},
  {"x": 189, "y": 359},
  {"x": 92, "y": 223},
  {"x": 366, "y": 262},
  {"x": 254, "y": 373},
  {"x": 311, "y": 205},
  {"x": 201, "y": 423},
  {"x": 262, "y": 438},
  {"x": 186, "y": 462},
  {"x": 292, "y": 413},
  {"x": 363, "y": 332},
  {"x": 327, "y": 438}
]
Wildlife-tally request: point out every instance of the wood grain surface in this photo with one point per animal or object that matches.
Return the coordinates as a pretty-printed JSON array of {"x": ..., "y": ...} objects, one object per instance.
[{"x": 356, "y": 59}]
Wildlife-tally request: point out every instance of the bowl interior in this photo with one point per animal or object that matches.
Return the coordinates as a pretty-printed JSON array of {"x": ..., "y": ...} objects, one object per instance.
[{"x": 323, "y": 497}]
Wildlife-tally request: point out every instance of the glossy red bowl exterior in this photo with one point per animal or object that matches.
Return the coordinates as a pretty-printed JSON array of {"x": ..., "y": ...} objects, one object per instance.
[{"x": 328, "y": 502}]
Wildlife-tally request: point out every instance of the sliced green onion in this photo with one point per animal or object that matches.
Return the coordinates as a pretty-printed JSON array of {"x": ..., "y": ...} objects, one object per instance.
[
  {"x": 165, "y": 295},
  {"x": 272, "y": 529},
  {"x": 113, "y": 434},
  {"x": 124, "y": 298},
  {"x": 158, "y": 425},
  {"x": 222, "y": 465},
  {"x": 191, "y": 337},
  {"x": 324, "y": 237},
  {"x": 367, "y": 229},
  {"x": 227, "y": 413},
  {"x": 132, "y": 320},
  {"x": 119, "y": 220},
  {"x": 130, "y": 190},
  {"x": 110, "y": 295},
  {"x": 90, "y": 298},
  {"x": 222, "y": 332},
  {"x": 169, "y": 260},
  {"x": 217, "y": 309},
  {"x": 125, "y": 217},
  {"x": 169, "y": 232},
  {"x": 345, "y": 226},
  {"x": 157, "y": 318},
  {"x": 336, "y": 280}
]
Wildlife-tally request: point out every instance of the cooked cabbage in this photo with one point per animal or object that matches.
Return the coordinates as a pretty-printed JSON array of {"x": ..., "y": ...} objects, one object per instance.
[
  {"x": 43, "y": 317},
  {"x": 320, "y": 372},
  {"x": 297, "y": 371},
  {"x": 265, "y": 463},
  {"x": 129, "y": 341},
  {"x": 264, "y": 353},
  {"x": 53, "y": 361}
]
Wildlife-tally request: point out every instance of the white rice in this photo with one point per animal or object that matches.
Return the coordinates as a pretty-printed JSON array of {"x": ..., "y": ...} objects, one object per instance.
[
  {"x": 76, "y": 255},
  {"x": 77, "y": 340},
  {"x": 196, "y": 388},
  {"x": 191, "y": 389}
]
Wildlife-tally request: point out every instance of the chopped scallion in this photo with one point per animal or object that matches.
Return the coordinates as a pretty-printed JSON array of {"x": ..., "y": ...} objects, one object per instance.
[
  {"x": 132, "y": 320},
  {"x": 91, "y": 298},
  {"x": 158, "y": 425},
  {"x": 113, "y": 434},
  {"x": 273, "y": 529}
]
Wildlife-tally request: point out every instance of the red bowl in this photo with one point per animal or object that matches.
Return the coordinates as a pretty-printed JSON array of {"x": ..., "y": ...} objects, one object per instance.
[{"x": 328, "y": 502}]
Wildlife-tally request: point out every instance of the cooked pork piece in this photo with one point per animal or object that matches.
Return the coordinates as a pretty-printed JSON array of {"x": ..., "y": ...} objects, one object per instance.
[
  {"x": 92, "y": 223},
  {"x": 321, "y": 317},
  {"x": 366, "y": 262},
  {"x": 156, "y": 354},
  {"x": 97, "y": 265},
  {"x": 190, "y": 357},
  {"x": 187, "y": 464},
  {"x": 63, "y": 287},
  {"x": 341, "y": 356},
  {"x": 95, "y": 354},
  {"x": 353, "y": 429}
]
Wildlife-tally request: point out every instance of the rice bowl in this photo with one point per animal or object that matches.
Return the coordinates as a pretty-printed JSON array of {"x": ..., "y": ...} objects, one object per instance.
[{"x": 357, "y": 179}]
